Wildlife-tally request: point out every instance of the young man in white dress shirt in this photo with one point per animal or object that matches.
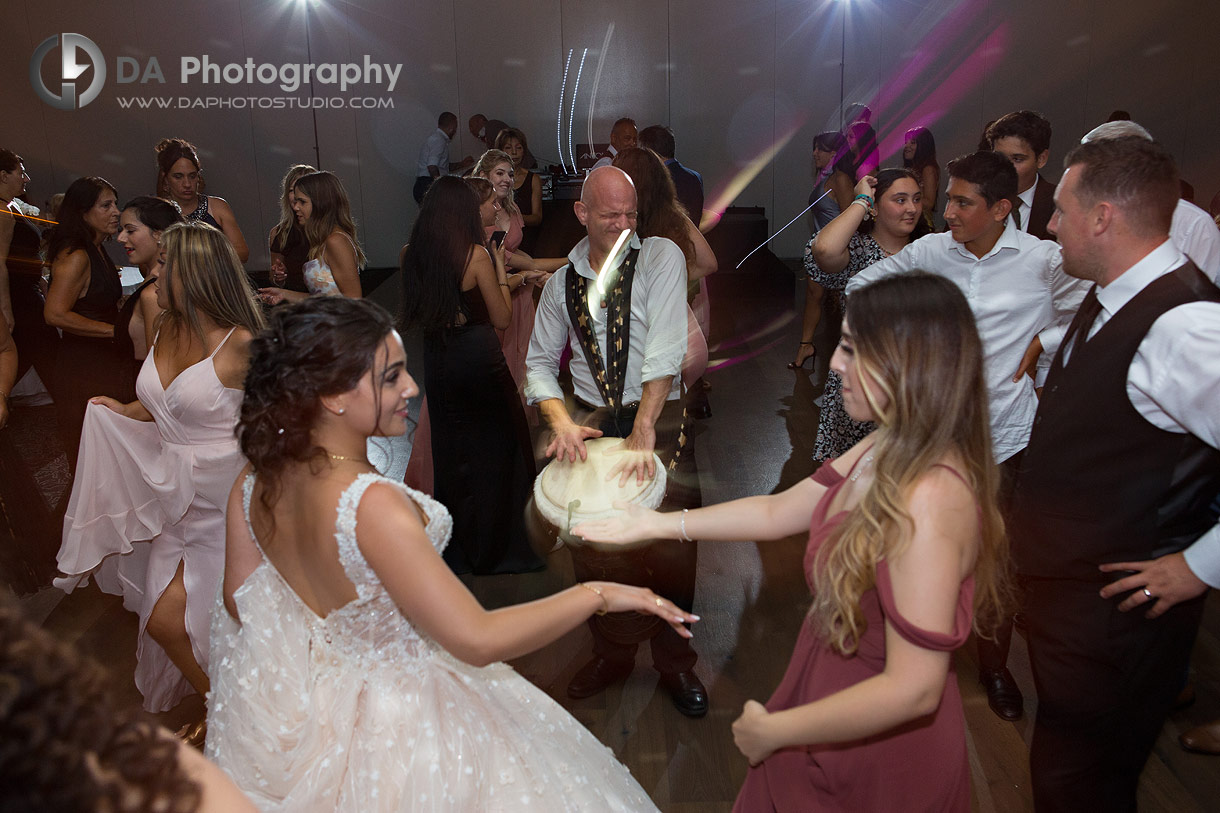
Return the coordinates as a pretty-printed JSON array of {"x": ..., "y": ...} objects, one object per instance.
[
  {"x": 1016, "y": 287},
  {"x": 630, "y": 390},
  {"x": 1113, "y": 536}
]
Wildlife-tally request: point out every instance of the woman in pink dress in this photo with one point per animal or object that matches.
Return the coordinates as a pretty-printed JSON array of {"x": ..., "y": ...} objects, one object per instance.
[
  {"x": 905, "y": 545},
  {"x": 146, "y": 515}
]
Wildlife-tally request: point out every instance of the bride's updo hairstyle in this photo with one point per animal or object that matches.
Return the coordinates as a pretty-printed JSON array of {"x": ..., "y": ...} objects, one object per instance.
[
  {"x": 321, "y": 346},
  {"x": 913, "y": 339}
]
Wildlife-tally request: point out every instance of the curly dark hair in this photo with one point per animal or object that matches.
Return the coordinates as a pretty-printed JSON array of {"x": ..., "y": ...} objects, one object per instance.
[
  {"x": 65, "y": 744},
  {"x": 321, "y": 346},
  {"x": 169, "y": 152}
]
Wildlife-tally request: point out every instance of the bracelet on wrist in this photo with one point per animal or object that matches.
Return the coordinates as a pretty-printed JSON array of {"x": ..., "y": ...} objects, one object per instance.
[
  {"x": 605, "y": 604},
  {"x": 869, "y": 199},
  {"x": 682, "y": 526}
]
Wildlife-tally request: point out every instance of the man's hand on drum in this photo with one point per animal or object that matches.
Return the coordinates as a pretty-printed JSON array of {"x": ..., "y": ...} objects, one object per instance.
[
  {"x": 568, "y": 441},
  {"x": 622, "y": 598},
  {"x": 637, "y": 455},
  {"x": 635, "y": 524}
]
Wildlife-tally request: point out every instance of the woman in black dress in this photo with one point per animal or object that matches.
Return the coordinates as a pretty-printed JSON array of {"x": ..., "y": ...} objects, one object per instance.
[
  {"x": 21, "y": 286},
  {"x": 287, "y": 240},
  {"x": 180, "y": 179},
  {"x": 83, "y": 302},
  {"x": 457, "y": 291}
]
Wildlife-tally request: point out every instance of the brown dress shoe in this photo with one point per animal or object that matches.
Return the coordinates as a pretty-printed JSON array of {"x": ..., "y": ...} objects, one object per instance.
[
  {"x": 1202, "y": 739},
  {"x": 596, "y": 675}
]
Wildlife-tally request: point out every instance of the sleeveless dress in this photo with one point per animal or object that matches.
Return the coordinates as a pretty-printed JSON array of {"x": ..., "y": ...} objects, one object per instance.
[
  {"x": 921, "y": 766},
  {"x": 202, "y": 214},
  {"x": 482, "y": 459},
  {"x": 149, "y": 495},
  {"x": 88, "y": 365},
  {"x": 359, "y": 711},
  {"x": 837, "y": 432},
  {"x": 318, "y": 277},
  {"x": 37, "y": 342}
]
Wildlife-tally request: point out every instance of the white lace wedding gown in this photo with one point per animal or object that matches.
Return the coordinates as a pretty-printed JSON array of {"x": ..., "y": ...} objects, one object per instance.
[{"x": 359, "y": 711}]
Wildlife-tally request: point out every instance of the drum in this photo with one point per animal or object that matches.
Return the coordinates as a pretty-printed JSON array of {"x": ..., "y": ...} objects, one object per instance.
[{"x": 567, "y": 493}]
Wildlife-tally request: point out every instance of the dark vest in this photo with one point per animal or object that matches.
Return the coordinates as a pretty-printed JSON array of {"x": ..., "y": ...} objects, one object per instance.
[{"x": 1099, "y": 483}]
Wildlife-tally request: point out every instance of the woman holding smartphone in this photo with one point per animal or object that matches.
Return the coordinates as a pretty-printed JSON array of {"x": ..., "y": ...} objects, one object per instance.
[{"x": 457, "y": 290}]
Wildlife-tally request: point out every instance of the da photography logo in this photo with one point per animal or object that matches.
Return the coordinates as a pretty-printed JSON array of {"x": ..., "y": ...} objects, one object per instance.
[{"x": 71, "y": 67}]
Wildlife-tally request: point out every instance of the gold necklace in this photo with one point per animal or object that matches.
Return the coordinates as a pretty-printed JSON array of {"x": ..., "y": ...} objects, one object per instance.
[{"x": 354, "y": 459}]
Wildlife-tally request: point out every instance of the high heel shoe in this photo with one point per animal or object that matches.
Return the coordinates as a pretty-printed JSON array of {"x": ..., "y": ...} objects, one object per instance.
[{"x": 800, "y": 365}]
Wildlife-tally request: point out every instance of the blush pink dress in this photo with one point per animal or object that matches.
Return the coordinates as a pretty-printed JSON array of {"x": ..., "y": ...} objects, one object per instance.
[
  {"x": 920, "y": 766},
  {"x": 151, "y": 495}
]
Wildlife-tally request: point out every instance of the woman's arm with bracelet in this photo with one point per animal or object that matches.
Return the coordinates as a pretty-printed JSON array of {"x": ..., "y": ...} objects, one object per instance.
[{"x": 830, "y": 248}]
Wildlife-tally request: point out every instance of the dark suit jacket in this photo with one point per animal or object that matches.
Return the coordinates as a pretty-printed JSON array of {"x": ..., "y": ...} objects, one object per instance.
[
  {"x": 690, "y": 189},
  {"x": 1042, "y": 209}
]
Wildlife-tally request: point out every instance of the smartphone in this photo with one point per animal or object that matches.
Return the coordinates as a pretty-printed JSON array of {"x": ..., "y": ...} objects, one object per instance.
[{"x": 497, "y": 237}]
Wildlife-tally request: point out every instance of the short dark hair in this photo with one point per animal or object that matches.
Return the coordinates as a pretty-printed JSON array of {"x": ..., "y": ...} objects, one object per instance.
[
  {"x": 1136, "y": 175},
  {"x": 623, "y": 120},
  {"x": 445, "y": 119},
  {"x": 992, "y": 173},
  {"x": 1029, "y": 126},
  {"x": 659, "y": 139},
  {"x": 9, "y": 161}
]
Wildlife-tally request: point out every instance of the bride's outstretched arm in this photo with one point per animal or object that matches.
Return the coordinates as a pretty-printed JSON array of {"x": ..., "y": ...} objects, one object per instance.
[{"x": 393, "y": 541}]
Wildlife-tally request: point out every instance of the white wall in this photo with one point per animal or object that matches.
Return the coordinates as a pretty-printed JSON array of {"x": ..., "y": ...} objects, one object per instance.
[{"x": 732, "y": 77}]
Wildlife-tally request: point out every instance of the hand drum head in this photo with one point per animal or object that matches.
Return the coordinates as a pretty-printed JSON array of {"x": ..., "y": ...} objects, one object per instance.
[{"x": 567, "y": 492}]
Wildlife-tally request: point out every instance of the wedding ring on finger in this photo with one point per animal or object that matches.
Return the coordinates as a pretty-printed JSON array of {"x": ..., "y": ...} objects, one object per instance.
[
  {"x": 1147, "y": 592},
  {"x": 659, "y": 603}
]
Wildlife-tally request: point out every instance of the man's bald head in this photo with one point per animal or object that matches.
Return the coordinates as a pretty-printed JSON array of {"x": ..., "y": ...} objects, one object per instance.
[
  {"x": 604, "y": 180},
  {"x": 606, "y": 209}
]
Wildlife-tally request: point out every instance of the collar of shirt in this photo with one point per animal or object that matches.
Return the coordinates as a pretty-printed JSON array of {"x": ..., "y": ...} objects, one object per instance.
[
  {"x": 1155, "y": 264},
  {"x": 1008, "y": 240},
  {"x": 442, "y": 132},
  {"x": 579, "y": 256},
  {"x": 1027, "y": 197}
]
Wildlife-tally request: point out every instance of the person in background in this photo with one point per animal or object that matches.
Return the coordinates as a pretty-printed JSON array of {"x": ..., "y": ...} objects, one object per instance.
[
  {"x": 141, "y": 225},
  {"x": 623, "y": 135},
  {"x": 1024, "y": 137},
  {"x": 180, "y": 179},
  {"x": 919, "y": 156},
  {"x": 287, "y": 242},
  {"x": 433, "y": 160},
  {"x": 83, "y": 302},
  {"x": 527, "y": 186}
]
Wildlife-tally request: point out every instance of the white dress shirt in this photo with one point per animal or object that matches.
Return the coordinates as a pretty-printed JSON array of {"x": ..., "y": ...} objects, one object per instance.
[
  {"x": 1194, "y": 231},
  {"x": 1174, "y": 378},
  {"x": 434, "y": 153},
  {"x": 657, "y": 342},
  {"x": 605, "y": 160},
  {"x": 1016, "y": 291}
]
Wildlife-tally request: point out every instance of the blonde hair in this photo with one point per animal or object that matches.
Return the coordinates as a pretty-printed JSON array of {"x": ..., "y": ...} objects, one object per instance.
[
  {"x": 489, "y": 161},
  {"x": 288, "y": 218},
  {"x": 211, "y": 279},
  {"x": 916, "y": 342},
  {"x": 331, "y": 212}
]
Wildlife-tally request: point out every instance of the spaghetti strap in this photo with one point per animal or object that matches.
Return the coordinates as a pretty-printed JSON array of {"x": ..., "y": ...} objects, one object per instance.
[
  {"x": 222, "y": 342},
  {"x": 956, "y": 474}
]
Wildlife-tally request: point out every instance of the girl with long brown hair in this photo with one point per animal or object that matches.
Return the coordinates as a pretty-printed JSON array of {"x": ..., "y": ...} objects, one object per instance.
[{"x": 906, "y": 544}]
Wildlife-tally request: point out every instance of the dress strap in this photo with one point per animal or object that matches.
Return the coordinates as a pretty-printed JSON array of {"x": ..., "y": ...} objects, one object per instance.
[
  {"x": 222, "y": 342},
  {"x": 247, "y": 493},
  {"x": 345, "y": 527}
]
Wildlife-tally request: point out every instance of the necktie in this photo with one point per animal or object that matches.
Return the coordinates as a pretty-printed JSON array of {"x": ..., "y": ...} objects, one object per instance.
[{"x": 1085, "y": 317}]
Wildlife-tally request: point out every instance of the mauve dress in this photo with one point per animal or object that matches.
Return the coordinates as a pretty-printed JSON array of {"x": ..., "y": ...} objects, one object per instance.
[{"x": 921, "y": 766}]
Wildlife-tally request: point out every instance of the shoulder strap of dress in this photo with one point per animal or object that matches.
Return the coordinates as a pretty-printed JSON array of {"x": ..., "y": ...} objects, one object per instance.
[
  {"x": 247, "y": 493},
  {"x": 345, "y": 523},
  {"x": 222, "y": 342}
]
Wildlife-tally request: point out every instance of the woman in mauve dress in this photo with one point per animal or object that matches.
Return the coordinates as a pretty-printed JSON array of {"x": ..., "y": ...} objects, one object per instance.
[{"x": 906, "y": 546}]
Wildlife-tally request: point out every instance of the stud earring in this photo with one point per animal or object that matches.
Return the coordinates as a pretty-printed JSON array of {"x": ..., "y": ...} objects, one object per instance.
[{"x": 342, "y": 410}]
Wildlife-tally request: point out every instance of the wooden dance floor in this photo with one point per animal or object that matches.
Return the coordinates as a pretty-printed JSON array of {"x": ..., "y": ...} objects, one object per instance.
[{"x": 752, "y": 598}]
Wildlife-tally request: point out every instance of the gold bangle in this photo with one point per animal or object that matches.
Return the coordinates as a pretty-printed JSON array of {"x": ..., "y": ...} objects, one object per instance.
[{"x": 605, "y": 604}]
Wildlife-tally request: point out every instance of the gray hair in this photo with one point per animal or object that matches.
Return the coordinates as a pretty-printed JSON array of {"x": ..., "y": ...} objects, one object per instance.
[{"x": 1116, "y": 129}]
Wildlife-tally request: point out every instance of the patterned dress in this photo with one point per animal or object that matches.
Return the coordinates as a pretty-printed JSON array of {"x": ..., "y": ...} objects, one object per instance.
[{"x": 837, "y": 432}]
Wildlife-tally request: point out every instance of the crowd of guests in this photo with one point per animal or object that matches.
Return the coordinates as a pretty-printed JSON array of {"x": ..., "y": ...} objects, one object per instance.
[{"x": 1013, "y": 431}]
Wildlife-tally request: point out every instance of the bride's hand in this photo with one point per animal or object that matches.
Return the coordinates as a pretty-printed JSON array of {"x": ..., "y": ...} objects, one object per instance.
[
  {"x": 635, "y": 524},
  {"x": 622, "y": 598}
]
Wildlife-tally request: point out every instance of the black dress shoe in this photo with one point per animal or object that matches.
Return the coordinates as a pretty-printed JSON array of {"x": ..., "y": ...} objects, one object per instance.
[
  {"x": 1002, "y": 694},
  {"x": 596, "y": 675},
  {"x": 687, "y": 692}
]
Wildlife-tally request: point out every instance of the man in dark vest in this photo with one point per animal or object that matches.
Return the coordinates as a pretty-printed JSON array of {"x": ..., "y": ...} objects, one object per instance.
[
  {"x": 1113, "y": 539},
  {"x": 626, "y": 327}
]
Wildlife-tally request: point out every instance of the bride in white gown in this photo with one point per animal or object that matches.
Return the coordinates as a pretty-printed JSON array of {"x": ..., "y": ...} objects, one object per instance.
[{"x": 351, "y": 670}]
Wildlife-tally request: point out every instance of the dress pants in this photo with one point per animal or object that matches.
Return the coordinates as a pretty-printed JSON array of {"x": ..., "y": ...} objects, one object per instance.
[
  {"x": 1106, "y": 680},
  {"x": 993, "y": 652},
  {"x": 667, "y": 567}
]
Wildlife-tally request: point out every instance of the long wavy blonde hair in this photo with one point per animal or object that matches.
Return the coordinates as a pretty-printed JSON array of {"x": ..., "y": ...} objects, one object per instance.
[
  {"x": 916, "y": 342},
  {"x": 211, "y": 280},
  {"x": 288, "y": 218},
  {"x": 331, "y": 212}
]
